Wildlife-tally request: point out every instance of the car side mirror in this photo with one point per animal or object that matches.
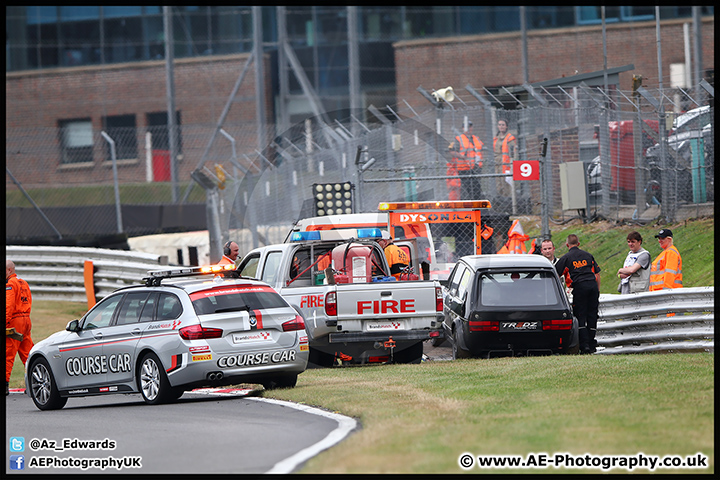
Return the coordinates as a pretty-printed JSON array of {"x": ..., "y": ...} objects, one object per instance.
[{"x": 73, "y": 326}]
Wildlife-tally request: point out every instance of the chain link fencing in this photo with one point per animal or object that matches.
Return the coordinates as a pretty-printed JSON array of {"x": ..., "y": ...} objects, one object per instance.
[{"x": 393, "y": 153}]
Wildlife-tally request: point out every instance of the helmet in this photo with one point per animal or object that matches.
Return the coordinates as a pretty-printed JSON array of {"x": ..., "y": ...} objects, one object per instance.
[{"x": 385, "y": 235}]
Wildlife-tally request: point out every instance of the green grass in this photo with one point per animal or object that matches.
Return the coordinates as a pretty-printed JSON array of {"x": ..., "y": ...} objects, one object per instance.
[
  {"x": 136, "y": 194},
  {"x": 420, "y": 418},
  {"x": 695, "y": 239}
]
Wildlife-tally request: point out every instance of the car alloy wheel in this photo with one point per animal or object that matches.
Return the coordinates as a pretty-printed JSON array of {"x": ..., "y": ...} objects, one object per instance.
[
  {"x": 42, "y": 387},
  {"x": 150, "y": 379},
  {"x": 153, "y": 382}
]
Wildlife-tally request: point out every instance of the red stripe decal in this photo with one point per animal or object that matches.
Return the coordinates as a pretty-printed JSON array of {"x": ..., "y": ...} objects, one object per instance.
[
  {"x": 68, "y": 349},
  {"x": 176, "y": 363}
]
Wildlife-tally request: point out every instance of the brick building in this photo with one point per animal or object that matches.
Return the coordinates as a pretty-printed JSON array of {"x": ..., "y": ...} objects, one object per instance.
[
  {"x": 494, "y": 60},
  {"x": 130, "y": 98}
]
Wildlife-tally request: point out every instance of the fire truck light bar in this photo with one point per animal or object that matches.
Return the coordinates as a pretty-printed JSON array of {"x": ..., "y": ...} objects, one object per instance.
[{"x": 385, "y": 206}]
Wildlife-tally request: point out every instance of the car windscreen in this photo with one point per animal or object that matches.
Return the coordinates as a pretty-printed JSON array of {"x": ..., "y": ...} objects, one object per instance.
[
  {"x": 236, "y": 298},
  {"x": 518, "y": 289}
]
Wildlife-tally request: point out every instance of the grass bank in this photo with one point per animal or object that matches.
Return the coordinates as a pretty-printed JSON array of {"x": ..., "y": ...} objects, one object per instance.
[
  {"x": 421, "y": 418},
  {"x": 695, "y": 239}
]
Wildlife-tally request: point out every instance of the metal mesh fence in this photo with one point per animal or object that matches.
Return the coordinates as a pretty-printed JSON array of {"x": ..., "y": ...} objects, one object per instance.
[
  {"x": 633, "y": 177},
  {"x": 628, "y": 172}
]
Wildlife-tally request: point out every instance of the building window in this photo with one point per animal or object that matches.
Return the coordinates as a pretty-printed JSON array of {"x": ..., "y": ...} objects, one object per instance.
[
  {"x": 79, "y": 36},
  {"x": 122, "y": 129},
  {"x": 76, "y": 140},
  {"x": 157, "y": 126}
]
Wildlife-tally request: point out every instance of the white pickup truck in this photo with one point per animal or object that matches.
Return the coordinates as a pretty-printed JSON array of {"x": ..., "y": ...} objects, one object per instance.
[{"x": 354, "y": 311}]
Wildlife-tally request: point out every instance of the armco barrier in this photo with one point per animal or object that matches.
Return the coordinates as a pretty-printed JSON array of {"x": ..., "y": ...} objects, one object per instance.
[
  {"x": 56, "y": 273},
  {"x": 678, "y": 320}
]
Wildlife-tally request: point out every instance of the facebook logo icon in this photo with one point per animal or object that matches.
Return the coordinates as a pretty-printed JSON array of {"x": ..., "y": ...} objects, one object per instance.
[{"x": 17, "y": 462}]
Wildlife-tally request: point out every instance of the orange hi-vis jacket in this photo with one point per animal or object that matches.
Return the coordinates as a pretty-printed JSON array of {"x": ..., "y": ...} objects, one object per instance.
[
  {"x": 505, "y": 149},
  {"x": 666, "y": 271},
  {"x": 18, "y": 299},
  {"x": 18, "y": 303},
  {"x": 225, "y": 260},
  {"x": 396, "y": 258},
  {"x": 469, "y": 154}
]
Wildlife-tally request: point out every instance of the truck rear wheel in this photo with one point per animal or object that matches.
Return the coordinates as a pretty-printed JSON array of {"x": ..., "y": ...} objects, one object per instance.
[
  {"x": 319, "y": 359},
  {"x": 411, "y": 354}
]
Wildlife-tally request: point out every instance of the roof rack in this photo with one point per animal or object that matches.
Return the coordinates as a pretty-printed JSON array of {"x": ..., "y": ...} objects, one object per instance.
[{"x": 156, "y": 276}]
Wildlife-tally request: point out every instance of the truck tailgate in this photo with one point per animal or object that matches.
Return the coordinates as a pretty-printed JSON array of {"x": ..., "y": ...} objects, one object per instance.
[{"x": 387, "y": 301}]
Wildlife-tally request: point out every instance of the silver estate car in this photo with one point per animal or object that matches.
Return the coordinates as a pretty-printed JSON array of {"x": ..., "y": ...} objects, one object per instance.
[{"x": 183, "y": 329}]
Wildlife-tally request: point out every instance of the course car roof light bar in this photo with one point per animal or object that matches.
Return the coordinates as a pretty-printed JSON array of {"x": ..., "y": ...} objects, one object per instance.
[{"x": 156, "y": 275}]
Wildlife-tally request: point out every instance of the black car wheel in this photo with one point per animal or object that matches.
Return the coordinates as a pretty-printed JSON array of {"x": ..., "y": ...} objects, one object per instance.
[
  {"x": 411, "y": 354},
  {"x": 458, "y": 352},
  {"x": 43, "y": 389},
  {"x": 574, "y": 347},
  {"x": 152, "y": 381}
]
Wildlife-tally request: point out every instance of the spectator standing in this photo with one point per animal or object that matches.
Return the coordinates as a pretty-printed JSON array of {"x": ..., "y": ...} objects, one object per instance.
[
  {"x": 506, "y": 151},
  {"x": 231, "y": 250},
  {"x": 547, "y": 250},
  {"x": 635, "y": 272},
  {"x": 666, "y": 271},
  {"x": 453, "y": 181},
  {"x": 582, "y": 274},
  {"x": 468, "y": 163},
  {"x": 18, "y": 303}
]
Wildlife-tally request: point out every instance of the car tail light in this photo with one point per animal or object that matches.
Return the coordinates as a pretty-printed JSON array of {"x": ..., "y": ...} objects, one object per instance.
[
  {"x": 292, "y": 325},
  {"x": 557, "y": 324},
  {"x": 331, "y": 304},
  {"x": 438, "y": 299},
  {"x": 484, "y": 326},
  {"x": 198, "y": 332}
]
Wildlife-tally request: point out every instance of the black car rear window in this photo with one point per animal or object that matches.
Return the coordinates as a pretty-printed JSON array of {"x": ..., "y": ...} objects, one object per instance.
[
  {"x": 520, "y": 289},
  {"x": 234, "y": 299}
]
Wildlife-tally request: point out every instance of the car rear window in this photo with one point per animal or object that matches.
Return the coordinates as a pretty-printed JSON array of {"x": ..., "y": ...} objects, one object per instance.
[
  {"x": 229, "y": 299},
  {"x": 518, "y": 289}
]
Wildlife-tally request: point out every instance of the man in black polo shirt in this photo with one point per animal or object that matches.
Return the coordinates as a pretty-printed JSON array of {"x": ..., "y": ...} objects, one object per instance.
[{"x": 584, "y": 278}]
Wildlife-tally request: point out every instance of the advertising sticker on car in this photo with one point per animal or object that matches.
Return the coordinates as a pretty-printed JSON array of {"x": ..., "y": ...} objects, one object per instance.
[
  {"x": 384, "y": 325},
  {"x": 515, "y": 326},
  {"x": 252, "y": 337}
]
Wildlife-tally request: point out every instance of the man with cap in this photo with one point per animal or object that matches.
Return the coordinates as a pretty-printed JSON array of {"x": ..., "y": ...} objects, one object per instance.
[
  {"x": 666, "y": 271},
  {"x": 397, "y": 258},
  {"x": 468, "y": 162}
]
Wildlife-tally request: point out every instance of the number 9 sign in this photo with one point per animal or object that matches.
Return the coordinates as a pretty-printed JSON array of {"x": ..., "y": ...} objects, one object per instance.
[{"x": 526, "y": 170}]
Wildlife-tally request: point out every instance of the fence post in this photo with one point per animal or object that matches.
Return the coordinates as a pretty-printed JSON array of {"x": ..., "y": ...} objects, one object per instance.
[
  {"x": 118, "y": 210},
  {"x": 89, "y": 281}
]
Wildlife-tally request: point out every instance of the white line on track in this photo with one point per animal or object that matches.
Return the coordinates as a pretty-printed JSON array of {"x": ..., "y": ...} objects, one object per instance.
[{"x": 345, "y": 426}]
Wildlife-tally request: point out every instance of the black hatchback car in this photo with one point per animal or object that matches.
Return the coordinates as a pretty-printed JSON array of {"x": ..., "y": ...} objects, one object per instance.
[{"x": 507, "y": 305}]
